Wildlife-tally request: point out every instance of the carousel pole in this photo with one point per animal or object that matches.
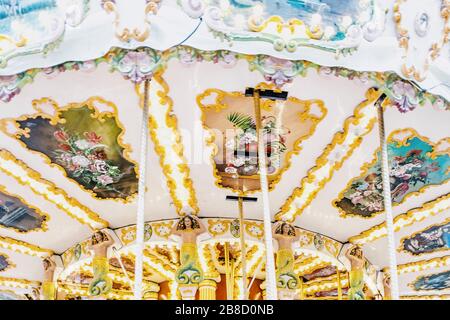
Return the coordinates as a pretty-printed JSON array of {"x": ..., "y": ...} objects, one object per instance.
[
  {"x": 271, "y": 289},
  {"x": 241, "y": 200},
  {"x": 243, "y": 249},
  {"x": 339, "y": 285},
  {"x": 140, "y": 219},
  {"x": 387, "y": 199}
]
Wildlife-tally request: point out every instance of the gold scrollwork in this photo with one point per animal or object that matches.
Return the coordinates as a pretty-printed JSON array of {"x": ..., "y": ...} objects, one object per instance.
[
  {"x": 51, "y": 193},
  {"x": 217, "y": 227},
  {"x": 404, "y": 39},
  {"x": 403, "y": 220},
  {"x": 172, "y": 124},
  {"x": 24, "y": 247},
  {"x": 371, "y": 96}
]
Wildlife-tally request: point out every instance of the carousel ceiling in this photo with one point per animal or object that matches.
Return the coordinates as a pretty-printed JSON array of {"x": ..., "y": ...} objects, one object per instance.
[{"x": 72, "y": 91}]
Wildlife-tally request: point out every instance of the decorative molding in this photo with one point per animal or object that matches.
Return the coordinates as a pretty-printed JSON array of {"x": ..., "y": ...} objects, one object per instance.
[
  {"x": 421, "y": 25},
  {"x": 28, "y": 177},
  {"x": 24, "y": 35},
  {"x": 18, "y": 283},
  {"x": 125, "y": 34},
  {"x": 412, "y": 216},
  {"x": 163, "y": 126},
  {"x": 267, "y": 22},
  {"x": 335, "y": 154},
  {"x": 422, "y": 265},
  {"x": 24, "y": 248}
]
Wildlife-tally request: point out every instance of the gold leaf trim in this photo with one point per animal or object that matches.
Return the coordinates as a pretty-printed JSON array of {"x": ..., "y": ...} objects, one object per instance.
[
  {"x": 49, "y": 191},
  {"x": 371, "y": 96},
  {"x": 404, "y": 220}
]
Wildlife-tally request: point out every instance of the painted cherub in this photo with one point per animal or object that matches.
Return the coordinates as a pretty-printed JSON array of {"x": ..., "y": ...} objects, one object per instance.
[
  {"x": 286, "y": 235},
  {"x": 189, "y": 227},
  {"x": 101, "y": 284},
  {"x": 356, "y": 276},
  {"x": 48, "y": 284}
]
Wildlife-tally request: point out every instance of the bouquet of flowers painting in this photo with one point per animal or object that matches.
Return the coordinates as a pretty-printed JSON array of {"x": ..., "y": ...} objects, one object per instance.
[{"x": 87, "y": 148}]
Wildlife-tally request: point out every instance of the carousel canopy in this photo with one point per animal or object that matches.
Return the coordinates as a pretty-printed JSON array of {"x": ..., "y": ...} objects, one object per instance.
[{"x": 73, "y": 82}]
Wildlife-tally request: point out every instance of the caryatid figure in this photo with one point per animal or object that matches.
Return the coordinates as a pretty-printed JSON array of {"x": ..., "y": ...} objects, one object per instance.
[
  {"x": 285, "y": 234},
  {"x": 189, "y": 227},
  {"x": 101, "y": 284},
  {"x": 48, "y": 285},
  {"x": 356, "y": 278}
]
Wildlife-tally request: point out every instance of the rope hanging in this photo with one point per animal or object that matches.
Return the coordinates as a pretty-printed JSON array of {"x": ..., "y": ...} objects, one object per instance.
[
  {"x": 140, "y": 217},
  {"x": 387, "y": 201}
]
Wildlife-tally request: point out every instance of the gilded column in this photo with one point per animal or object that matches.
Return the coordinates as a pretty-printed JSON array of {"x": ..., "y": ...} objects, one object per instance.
[
  {"x": 208, "y": 289},
  {"x": 151, "y": 291}
]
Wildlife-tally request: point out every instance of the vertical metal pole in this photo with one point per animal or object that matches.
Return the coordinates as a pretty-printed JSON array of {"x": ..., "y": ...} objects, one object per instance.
[
  {"x": 271, "y": 289},
  {"x": 302, "y": 295},
  {"x": 387, "y": 200},
  {"x": 243, "y": 249},
  {"x": 227, "y": 271},
  {"x": 339, "y": 288},
  {"x": 140, "y": 217}
]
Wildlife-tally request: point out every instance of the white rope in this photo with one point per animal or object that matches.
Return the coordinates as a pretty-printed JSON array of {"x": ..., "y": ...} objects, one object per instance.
[
  {"x": 387, "y": 200},
  {"x": 121, "y": 264},
  {"x": 141, "y": 198},
  {"x": 271, "y": 284}
]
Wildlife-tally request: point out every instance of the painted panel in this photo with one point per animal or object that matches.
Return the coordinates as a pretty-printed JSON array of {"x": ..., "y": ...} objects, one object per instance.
[
  {"x": 415, "y": 164},
  {"x": 19, "y": 216}
]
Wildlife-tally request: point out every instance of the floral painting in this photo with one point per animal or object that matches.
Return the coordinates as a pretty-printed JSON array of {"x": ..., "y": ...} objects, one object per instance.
[
  {"x": 87, "y": 148},
  {"x": 4, "y": 264},
  {"x": 15, "y": 214},
  {"x": 438, "y": 281},
  {"x": 242, "y": 149},
  {"x": 432, "y": 239},
  {"x": 411, "y": 169}
]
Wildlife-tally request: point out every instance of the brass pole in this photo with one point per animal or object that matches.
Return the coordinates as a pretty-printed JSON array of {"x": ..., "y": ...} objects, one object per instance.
[
  {"x": 243, "y": 249},
  {"x": 302, "y": 297},
  {"x": 227, "y": 270},
  {"x": 339, "y": 288}
]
